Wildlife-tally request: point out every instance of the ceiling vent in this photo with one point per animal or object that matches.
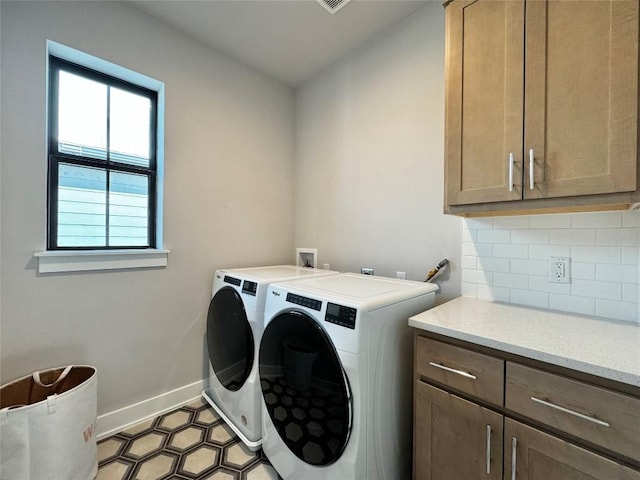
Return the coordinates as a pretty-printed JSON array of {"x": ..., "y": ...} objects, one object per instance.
[{"x": 333, "y": 6}]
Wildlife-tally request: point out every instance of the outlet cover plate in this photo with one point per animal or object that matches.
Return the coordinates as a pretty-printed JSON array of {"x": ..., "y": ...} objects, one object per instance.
[{"x": 559, "y": 269}]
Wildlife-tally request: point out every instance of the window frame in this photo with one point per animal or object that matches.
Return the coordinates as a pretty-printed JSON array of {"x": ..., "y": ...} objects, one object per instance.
[{"x": 55, "y": 157}]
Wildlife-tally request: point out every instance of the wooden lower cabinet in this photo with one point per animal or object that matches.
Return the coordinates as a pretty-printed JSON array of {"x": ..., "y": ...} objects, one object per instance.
[
  {"x": 539, "y": 456},
  {"x": 455, "y": 439},
  {"x": 477, "y": 437}
]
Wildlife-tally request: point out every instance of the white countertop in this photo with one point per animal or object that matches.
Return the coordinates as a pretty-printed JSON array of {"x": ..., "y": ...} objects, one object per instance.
[{"x": 606, "y": 348}]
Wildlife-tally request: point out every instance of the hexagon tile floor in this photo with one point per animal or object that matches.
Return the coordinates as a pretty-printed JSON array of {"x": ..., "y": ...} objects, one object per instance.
[{"x": 189, "y": 443}]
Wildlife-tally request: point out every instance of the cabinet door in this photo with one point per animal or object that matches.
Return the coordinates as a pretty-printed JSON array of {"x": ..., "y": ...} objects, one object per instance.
[
  {"x": 539, "y": 456},
  {"x": 455, "y": 439},
  {"x": 581, "y": 110},
  {"x": 484, "y": 100}
]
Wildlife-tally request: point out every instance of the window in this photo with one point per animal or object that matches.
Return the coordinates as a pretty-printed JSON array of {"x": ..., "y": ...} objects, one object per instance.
[{"x": 103, "y": 165}]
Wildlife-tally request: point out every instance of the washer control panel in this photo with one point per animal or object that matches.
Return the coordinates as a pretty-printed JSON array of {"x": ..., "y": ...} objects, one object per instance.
[
  {"x": 341, "y": 315},
  {"x": 304, "y": 301},
  {"x": 249, "y": 287},
  {"x": 232, "y": 280}
]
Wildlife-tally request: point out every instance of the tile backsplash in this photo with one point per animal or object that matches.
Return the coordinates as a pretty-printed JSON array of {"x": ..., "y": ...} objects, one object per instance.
[{"x": 506, "y": 259}]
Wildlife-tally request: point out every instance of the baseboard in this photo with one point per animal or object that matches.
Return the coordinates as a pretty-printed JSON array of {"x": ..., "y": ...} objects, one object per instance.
[{"x": 123, "y": 418}]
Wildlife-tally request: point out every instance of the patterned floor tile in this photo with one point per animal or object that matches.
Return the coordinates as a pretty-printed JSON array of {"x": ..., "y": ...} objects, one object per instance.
[{"x": 189, "y": 443}]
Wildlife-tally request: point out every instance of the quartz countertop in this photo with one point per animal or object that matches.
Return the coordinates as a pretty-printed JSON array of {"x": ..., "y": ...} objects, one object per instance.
[{"x": 605, "y": 348}]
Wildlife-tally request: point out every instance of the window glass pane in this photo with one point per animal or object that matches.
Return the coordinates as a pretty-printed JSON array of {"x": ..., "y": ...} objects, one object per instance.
[
  {"x": 130, "y": 117},
  {"x": 82, "y": 116},
  {"x": 81, "y": 206},
  {"x": 128, "y": 210}
]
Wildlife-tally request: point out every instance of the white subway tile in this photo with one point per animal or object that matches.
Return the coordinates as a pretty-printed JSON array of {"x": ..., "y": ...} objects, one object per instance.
[
  {"x": 630, "y": 255},
  {"x": 493, "y": 293},
  {"x": 494, "y": 236},
  {"x": 476, "y": 276},
  {"x": 477, "y": 249},
  {"x": 617, "y": 273},
  {"x": 510, "y": 251},
  {"x": 543, "y": 252},
  {"x": 542, "y": 284},
  {"x": 509, "y": 223},
  {"x": 537, "y": 236},
  {"x": 567, "y": 236},
  {"x": 478, "y": 223},
  {"x": 468, "y": 262},
  {"x": 491, "y": 264},
  {"x": 468, "y": 290},
  {"x": 568, "y": 303},
  {"x": 630, "y": 292},
  {"x": 583, "y": 271},
  {"x": 595, "y": 289},
  {"x": 618, "y": 236},
  {"x": 631, "y": 218},
  {"x": 530, "y": 298},
  {"x": 530, "y": 267},
  {"x": 511, "y": 280},
  {"x": 617, "y": 310},
  {"x": 596, "y": 220},
  {"x": 469, "y": 235},
  {"x": 550, "y": 221},
  {"x": 596, "y": 254}
]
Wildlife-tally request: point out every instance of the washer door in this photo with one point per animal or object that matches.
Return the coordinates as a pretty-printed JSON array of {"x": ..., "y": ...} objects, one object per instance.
[
  {"x": 305, "y": 388},
  {"x": 229, "y": 339}
]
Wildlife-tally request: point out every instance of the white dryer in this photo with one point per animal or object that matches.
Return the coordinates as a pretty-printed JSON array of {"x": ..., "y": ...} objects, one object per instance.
[
  {"x": 335, "y": 366},
  {"x": 234, "y": 330}
]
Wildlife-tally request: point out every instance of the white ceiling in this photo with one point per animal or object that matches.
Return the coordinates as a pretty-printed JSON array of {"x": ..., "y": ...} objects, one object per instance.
[{"x": 290, "y": 40}]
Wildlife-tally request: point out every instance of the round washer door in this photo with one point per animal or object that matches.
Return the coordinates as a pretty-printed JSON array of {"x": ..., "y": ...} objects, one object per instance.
[
  {"x": 305, "y": 388},
  {"x": 229, "y": 339}
]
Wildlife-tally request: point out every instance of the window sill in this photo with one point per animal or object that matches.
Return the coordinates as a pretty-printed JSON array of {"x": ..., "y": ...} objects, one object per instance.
[{"x": 93, "y": 260}]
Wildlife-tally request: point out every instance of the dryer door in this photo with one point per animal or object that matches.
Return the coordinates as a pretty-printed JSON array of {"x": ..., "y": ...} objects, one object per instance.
[
  {"x": 229, "y": 339},
  {"x": 305, "y": 388}
]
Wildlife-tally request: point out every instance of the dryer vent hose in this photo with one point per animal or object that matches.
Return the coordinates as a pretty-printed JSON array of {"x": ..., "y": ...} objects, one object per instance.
[{"x": 433, "y": 273}]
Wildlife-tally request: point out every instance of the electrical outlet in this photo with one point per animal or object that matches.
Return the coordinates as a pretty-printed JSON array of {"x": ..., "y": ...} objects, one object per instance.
[
  {"x": 366, "y": 271},
  {"x": 325, "y": 266},
  {"x": 560, "y": 269},
  {"x": 401, "y": 275}
]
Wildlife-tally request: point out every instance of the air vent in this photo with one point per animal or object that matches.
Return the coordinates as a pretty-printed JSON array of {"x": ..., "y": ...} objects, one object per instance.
[{"x": 333, "y": 6}]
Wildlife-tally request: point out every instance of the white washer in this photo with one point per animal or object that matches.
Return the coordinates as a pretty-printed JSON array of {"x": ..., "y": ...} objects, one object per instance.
[
  {"x": 234, "y": 330},
  {"x": 347, "y": 413}
]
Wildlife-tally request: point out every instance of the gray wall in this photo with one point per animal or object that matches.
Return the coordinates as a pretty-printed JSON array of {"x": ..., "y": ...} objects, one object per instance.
[
  {"x": 228, "y": 201},
  {"x": 366, "y": 186},
  {"x": 369, "y": 157}
]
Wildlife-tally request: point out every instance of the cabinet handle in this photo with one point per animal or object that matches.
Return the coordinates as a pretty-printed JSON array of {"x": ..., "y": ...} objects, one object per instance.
[
  {"x": 511, "y": 171},
  {"x": 488, "y": 449},
  {"x": 453, "y": 370},
  {"x": 571, "y": 412},
  {"x": 531, "y": 166},
  {"x": 514, "y": 444}
]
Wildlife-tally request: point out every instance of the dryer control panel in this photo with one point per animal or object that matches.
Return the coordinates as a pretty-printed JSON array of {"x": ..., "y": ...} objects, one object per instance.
[{"x": 341, "y": 315}]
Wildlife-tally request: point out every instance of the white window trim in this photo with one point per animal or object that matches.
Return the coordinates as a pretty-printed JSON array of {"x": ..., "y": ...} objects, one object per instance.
[{"x": 56, "y": 261}]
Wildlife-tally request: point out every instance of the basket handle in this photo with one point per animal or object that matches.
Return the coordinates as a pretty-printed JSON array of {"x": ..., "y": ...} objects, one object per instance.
[{"x": 65, "y": 372}]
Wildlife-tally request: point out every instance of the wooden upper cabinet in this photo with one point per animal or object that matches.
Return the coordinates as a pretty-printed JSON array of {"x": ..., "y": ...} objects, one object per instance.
[
  {"x": 484, "y": 100},
  {"x": 581, "y": 96},
  {"x": 555, "y": 81}
]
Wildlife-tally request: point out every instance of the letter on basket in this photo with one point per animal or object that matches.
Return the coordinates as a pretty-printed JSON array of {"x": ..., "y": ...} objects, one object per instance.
[{"x": 88, "y": 433}]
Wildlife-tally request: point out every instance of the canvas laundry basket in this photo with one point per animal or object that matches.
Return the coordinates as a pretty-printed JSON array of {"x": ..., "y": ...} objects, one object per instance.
[{"x": 47, "y": 425}]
